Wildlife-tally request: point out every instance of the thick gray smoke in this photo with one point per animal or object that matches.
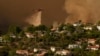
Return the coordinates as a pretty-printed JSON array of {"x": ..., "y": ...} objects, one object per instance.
[{"x": 85, "y": 10}]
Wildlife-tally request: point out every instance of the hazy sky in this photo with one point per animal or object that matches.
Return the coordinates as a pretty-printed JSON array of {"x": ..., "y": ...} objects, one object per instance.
[{"x": 16, "y": 11}]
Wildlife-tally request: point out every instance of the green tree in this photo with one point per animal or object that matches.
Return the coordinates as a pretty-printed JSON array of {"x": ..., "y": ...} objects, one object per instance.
[
  {"x": 14, "y": 29},
  {"x": 30, "y": 29},
  {"x": 6, "y": 38},
  {"x": 70, "y": 28},
  {"x": 42, "y": 28},
  {"x": 12, "y": 52}
]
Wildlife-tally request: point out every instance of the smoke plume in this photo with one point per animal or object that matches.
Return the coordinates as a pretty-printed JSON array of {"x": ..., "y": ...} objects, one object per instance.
[
  {"x": 16, "y": 11},
  {"x": 34, "y": 18},
  {"x": 85, "y": 10}
]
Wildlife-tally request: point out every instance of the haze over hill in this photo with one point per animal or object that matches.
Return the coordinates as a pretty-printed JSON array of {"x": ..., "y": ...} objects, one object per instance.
[
  {"x": 86, "y": 10},
  {"x": 16, "y": 11}
]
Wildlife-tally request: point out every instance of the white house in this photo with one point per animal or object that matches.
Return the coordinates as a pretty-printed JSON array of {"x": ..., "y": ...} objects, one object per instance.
[
  {"x": 53, "y": 49},
  {"x": 94, "y": 47},
  {"x": 71, "y": 46},
  {"x": 22, "y": 52},
  {"x": 29, "y": 35},
  {"x": 98, "y": 27},
  {"x": 62, "y": 52},
  {"x": 87, "y": 28},
  {"x": 1, "y": 40},
  {"x": 12, "y": 35},
  {"x": 91, "y": 41},
  {"x": 76, "y": 24},
  {"x": 35, "y": 50}
]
